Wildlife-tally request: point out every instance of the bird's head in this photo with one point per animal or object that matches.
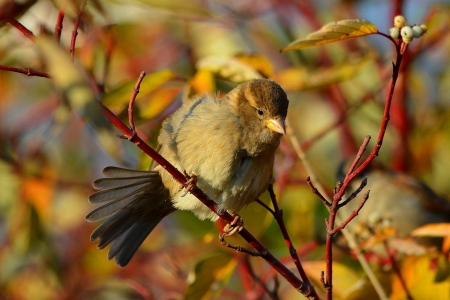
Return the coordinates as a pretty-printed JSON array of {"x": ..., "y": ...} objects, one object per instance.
[{"x": 262, "y": 107}]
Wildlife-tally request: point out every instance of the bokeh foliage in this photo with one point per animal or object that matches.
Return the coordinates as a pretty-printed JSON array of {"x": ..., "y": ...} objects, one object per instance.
[{"x": 53, "y": 147}]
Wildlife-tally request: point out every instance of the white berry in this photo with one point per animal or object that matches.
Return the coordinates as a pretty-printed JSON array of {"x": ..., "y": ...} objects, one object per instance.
[
  {"x": 424, "y": 28},
  {"x": 394, "y": 32},
  {"x": 399, "y": 21},
  {"x": 417, "y": 31},
  {"x": 407, "y": 34}
]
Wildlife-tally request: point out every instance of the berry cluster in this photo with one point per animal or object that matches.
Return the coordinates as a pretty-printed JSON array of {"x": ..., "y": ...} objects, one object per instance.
[{"x": 407, "y": 33}]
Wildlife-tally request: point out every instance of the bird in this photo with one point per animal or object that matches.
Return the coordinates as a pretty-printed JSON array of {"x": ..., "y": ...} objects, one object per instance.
[
  {"x": 228, "y": 144},
  {"x": 398, "y": 201}
]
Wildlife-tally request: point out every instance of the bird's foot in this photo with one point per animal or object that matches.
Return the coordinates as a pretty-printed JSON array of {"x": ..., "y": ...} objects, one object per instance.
[
  {"x": 235, "y": 226},
  {"x": 191, "y": 182}
]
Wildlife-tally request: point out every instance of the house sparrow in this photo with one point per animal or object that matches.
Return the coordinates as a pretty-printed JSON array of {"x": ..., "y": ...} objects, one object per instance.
[
  {"x": 396, "y": 201},
  {"x": 228, "y": 144}
]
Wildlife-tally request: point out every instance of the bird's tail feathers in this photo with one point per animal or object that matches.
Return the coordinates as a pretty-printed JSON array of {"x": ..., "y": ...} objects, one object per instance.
[{"x": 135, "y": 202}]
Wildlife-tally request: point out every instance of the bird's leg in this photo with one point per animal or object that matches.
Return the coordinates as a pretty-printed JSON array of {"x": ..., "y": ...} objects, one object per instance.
[
  {"x": 191, "y": 181},
  {"x": 235, "y": 226}
]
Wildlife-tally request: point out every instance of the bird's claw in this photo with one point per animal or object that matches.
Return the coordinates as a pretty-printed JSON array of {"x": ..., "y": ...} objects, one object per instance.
[
  {"x": 191, "y": 182},
  {"x": 235, "y": 226}
]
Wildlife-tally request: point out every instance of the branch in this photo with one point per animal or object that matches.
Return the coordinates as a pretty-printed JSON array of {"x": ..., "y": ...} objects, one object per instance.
[
  {"x": 354, "y": 194},
  {"x": 59, "y": 24},
  {"x": 25, "y": 31},
  {"x": 75, "y": 30},
  {"x": 27, "y": 72},
  {"x": 317, "y": 193},
  {"x": 278, "y": 215},
  {"x": 353, "y": 214}
]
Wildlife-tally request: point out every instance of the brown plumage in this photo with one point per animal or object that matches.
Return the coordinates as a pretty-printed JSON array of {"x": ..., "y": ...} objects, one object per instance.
[
  {"x": 402, "y": 200},
  {"x": 228, "y": 143}
]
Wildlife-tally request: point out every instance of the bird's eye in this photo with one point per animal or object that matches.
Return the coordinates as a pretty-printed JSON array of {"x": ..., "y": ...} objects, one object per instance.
[{"x": 260, "y": 111}]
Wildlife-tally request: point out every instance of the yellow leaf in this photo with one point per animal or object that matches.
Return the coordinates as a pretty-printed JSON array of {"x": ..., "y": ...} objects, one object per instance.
[
  {"x": 258, "y": 62},
  {"x": 435, "y": 230},
  {"x": 419, "y": 278},
  {"x": 180, "y": 8},
  {"x": 38, "y": 192},
  {"x": 298, "y": 78},
  {"x": 344, "y": 278},
  {"x": 66, "y": 74},
  {"x": 211, "y": 274},
  {"x": 228, "y": 68},
  {"x": 157, "y": 102},
  {"x": 120, "y": 96},
  {"x": 334, "y": 32},
  {"x": 202, "y": 82}
]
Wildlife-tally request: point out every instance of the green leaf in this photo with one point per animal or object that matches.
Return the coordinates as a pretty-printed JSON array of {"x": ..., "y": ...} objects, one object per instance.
[
  {"x": 334, "y": 32},
  {"x": 211, "y": 275}
]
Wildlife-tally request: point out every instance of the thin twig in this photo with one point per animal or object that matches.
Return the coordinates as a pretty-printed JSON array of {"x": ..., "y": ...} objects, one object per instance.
[
  {"x": 132, "y": 99},
  {"x": 355, "y": 193},
  {"x": 273, "y": 295},
  {"x": 348, "y": 236},
  {"x": 59, "y": 23},
  {"x": 75, "y": 30},
  {"x": 359, "y": 154},
  {"x": 353, "y": 214},
  {"x": 25, "y": 31},
  {"x": 238, "y": 248},
  {"x": 27, "y": 72},
  {"x": 317, "y": 193},
  {"x": 397, "y": 270},
  {"x": 278, "y": 215}
]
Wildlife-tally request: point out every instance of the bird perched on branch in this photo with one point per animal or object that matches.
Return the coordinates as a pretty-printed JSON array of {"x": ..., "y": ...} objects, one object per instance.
[
  {"x": 397, "y": 201},
  {"x": 228, "y": 144}
]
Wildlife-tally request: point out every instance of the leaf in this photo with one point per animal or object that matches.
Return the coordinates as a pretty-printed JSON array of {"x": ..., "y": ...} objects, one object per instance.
[
  {"x": 301, "y": 78},
  {"x": 157, "y": 102},
  {"x": 211, "y": 274},
  {"x": 228, "y": 68},
  {"x": 72, "y": 80},
  {"x": 180, "y": 8},
  {"x": 258, "y": 62},
  {"x": 120, "y": 96},
  {"x": 334, "y": 32},
  {"x": 443, "y": 269},
  {"x": 202, "y": 82},
  {"x": 433, "y": 230},
  {"x": 419, "y": 277},
  {"x": 407, "y": 246},
  {"x": 344, "y": 277}
]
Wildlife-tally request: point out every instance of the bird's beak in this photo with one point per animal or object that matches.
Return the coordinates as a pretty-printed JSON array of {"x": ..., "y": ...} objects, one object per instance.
[{"x": 277, "y": 125}]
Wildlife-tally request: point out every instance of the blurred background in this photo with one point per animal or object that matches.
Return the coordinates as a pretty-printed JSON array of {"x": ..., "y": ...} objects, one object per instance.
[{"x": 53, "y": 147}]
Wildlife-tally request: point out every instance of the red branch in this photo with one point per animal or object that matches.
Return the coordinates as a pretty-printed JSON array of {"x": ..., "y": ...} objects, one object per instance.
[
  {"x": 27, "y": 72},
  {"x": 327, "y": 279},
  {"x": 75, "y": 30},
  {"x": 278, "y": 215},
  {"x": 301, "y": 286},
  {"x": 59, "y": 24},
  {"x": 25, "y": 31}
]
